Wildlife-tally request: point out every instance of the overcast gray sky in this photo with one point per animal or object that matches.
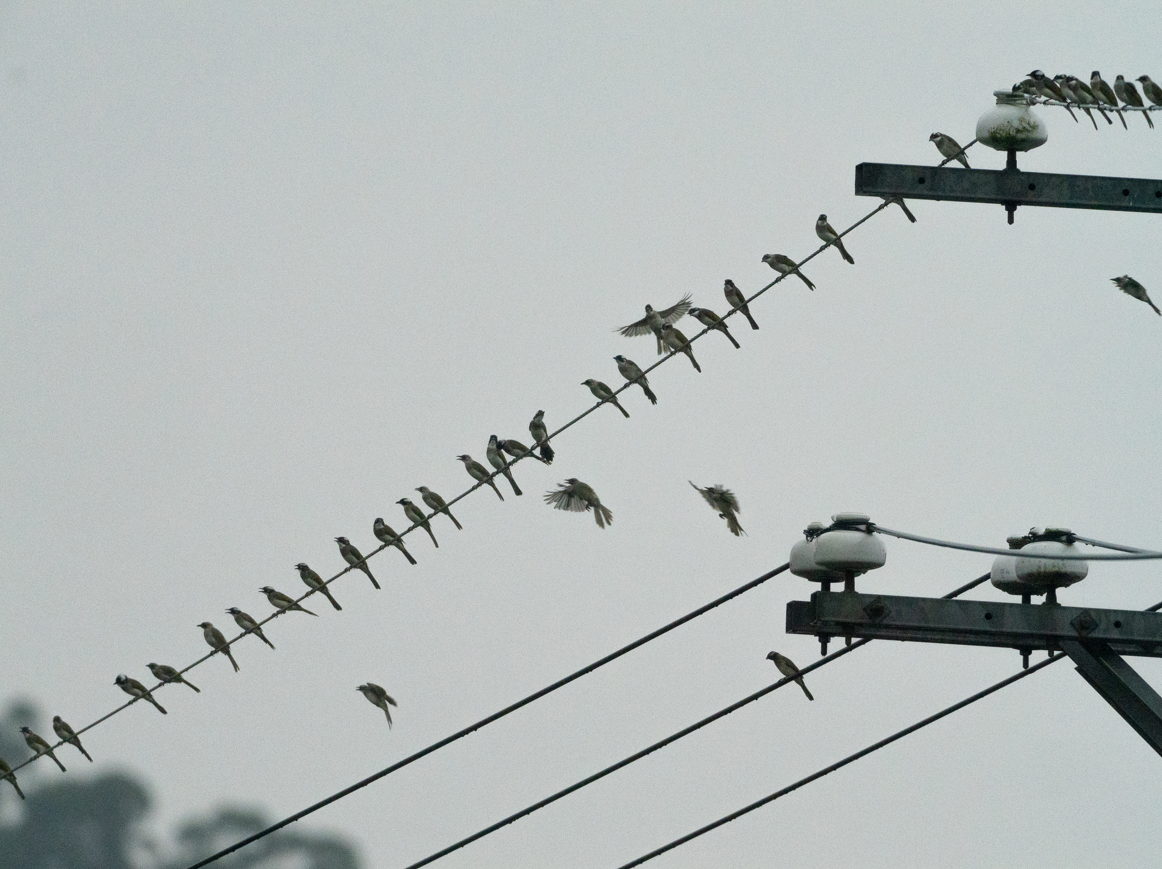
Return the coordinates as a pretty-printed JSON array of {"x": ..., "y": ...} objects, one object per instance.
[{"x": 266, "y": 268}]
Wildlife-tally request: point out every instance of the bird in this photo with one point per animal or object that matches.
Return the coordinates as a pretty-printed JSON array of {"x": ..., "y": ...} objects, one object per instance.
[
  {"x": 497, "y": 460},
  {"x": 39, "y": 746},
  {"x": 653, "y": 321},
  {"x": 387, "y": 535},
  {"x": 788, "y": 669},
  {"x": 830, "y": 236},
  {"x": 283, "y": 602},
  {"x": 416, "y": 515},
  {"x": 353, "y": 557},
  {"x": 784, "y": 265},
  {"x": 676, "y": 341},
  {"x": 217, "y": 641},
  {"x": 1086, "y": 97},
  {"x": 736, "y": 299},
  {"x": 1105, "y": 94},
  {"x": 578, "y": 497},
  {"x": 248, "y": 624},
  {"x": 166, "y": 673},
  {"x": 540, "y": 436},
  {"x": 632, "y": 373},
  {"x": 437, "y": 504},
  {"x": 67, "y": 734},
  {"x": 1132, "y": 288},
  {"x": 603, "y": 393},
  {"x": 1050, "y": 90},
  {"x": 1129, "y": 95},
  {"x": 1151, "y": 90},
  {"x": 1073, "y": 96},
  {"x": 724, "y": 501},
  {"x": 479, "y": 473},
  {"x": 898, "y": 200},
  {"x": 6, "y": 773},
  {"x": 949, "y": 149},
  {"x": 136, "y": 690},
  {"x": 315, "y": 582},
  {"x": 376, "y": 695},
  {"x": 708, "y": 318},
  {"x": 516, "y": 449}
]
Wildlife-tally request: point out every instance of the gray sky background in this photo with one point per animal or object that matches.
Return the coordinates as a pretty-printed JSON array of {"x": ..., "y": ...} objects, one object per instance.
[{"x": 268, "y": 267}]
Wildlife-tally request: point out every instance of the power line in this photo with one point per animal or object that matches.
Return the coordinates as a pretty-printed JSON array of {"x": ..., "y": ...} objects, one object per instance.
[{"x": 1130, "y": 554}]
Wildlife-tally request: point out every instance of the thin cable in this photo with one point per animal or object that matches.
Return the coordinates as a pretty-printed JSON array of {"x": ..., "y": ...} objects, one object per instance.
[
  {"x": 875, "y": 746},
  {"x": 1137, "y": 555},
  {"x": 1117, "y": 547}
]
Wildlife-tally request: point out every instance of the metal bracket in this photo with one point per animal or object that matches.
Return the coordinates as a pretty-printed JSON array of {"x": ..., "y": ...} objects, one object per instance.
[{"x": 1121, "y": 686}]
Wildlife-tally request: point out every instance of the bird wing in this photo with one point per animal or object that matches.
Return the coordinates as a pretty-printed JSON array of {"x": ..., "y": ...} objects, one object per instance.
[
  {"x": 727, "y": 498},
  {"x": 676, "y": 312},
  {"x": 637, "y": 327},
  {"x": 566, "y": 498}
]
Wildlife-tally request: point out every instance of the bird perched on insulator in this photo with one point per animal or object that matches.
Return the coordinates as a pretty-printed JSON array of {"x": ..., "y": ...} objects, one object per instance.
[
  {"x": 437, "y": 504},
  {"x": 354, "y": 557},
  {"x": 578, "y": 497},
  {"x": 788, "y": 669},
  {"x": 284, "y": 603},
  {"x": 676, "y": 341},
  {"x": 137, "y": 691},
  {"x": 630, "y": 371},
  {"x": 377, "y": 696},
  {"x": 9, "y": 776},
  {"x": 540, "y": 436},
  {"x": 1128, "y": 94},
  {"x": 315, "y": 583},
  {"x": 417, "y": 517},
  {"x": 1132, "y": 288},
  {"x": 784, "y": 265},
  {"x": 248, "y": 624},
  {"x": 67, "y": 734},
  {"x": 708, "y": 318},
  {"x": 217, "y": 641},
  {"x": 39, "y": 746},
  {"x": 166, "y": 673},
  {"x": 386, "y": 534},
  {"x": 653, "y": 321},
  {"x": 479, "y": 473},
  {"x": 736, "y": 299},
  {"x": 604, "y": 394},
  {"x": 724, "y": 501},
  {"x": 497, "y": 460}
]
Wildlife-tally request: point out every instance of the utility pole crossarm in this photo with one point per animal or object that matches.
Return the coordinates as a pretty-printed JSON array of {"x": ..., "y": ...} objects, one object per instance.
[{"x": 1120, "y": 686}]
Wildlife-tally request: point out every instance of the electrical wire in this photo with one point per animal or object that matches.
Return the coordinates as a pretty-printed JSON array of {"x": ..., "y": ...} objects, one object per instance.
[
  {"x": 1130, "y": 554},
  {"x": 1117, "y": 547}
]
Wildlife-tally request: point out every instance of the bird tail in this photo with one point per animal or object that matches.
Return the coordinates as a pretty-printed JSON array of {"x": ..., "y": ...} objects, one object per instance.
[
  {"x": 732, "y": 524},
  {"x": 803, "y": 685},
  {"x": 427, "y": 528},
  {"x": 453, "y": 518},
  {"x": 231, "y": 657},
  {"x": 399, "y": 545},
  {"x": 907, "y": 212},
  {"x": 186, "y": 681},
  {"x": 843, "y": 250},
  {"x": 12, "y": 780},
  {"x": 334, "y": 602},
  {"x": 746, "y": 313},
  {"x": 1122, "y": 116},
  {"x": 1072, "y": 115},
  {"x": 547, "y": 453},
  {"x": 649, "y": 393},
  {"x": 85, "y": 753},
  {"x": 1091, "y": 117},
  {"x": 726, "y": 332},
  {"x": 602, "y": 515},
  {"x": 1146, "y": 115},
  {"x": 511, "y": 481},
  {"x": 160, "y": 708},
  {"x": 1155, "y": 307},
  {"x": 697, "y": 367},
  {"x": 262, "y": 636},
  {"x": 388, "y": 714},
  {"x": 362, "y": 566},
  {"x": 617, "y": 404},
  {"x": 495, "y": 489},
  {"x": 61, "y": 765}
]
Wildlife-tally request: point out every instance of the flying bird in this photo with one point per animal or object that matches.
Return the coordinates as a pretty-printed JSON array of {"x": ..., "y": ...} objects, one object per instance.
[
  {"x": 830, "y": 236},
  {"x": 736, "y": 299},
  {"x": 166, "y": 673},
  {"x": 604, "y": 394},
  {"x": 417, "y": 517},
  {"x": 788, "y": 669},
  {"x": 675, "y": 340},
  {"x": 315, "y": 582},
  {"x": 248, "y": 624},
  {"x": 437, "y": 504},
  {"x": 387, "y": 535},
  {"x": 479, "y": 473},
  {"x": 136, "y": 690},
  {"x": 724, "y": 501},
  {"x": 949, "y": 148},
  {"x": 1129, "y": 95},
  {"x": 39, "y": 746},
  {"x": 653, "y": 321},
  {"x": 353, "y": 557},
  {"x": 283, "y": 602},
  {"x": 630, "y": 371},
  {"x": 540, "y": 436},
  {"x": 1132, "y": 288},
  {"x": 784, "y": 265},
  {"x": 7, "y": 774},
  {"x": 67, "y": 734},
  {"x": 217, "y": 641},
  {"x": 708, "y": 318},
  {"x": 575, "y": 496},
  {"x": 376, "y": 695},
  {"x": 497, "y": 460}
]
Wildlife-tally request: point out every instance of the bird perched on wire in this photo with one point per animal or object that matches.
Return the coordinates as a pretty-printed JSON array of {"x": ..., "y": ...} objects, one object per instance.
[
  {"x": 248, "y": 624},
  {"x": 9, "y": 776},
  {"x": 653, "y": 321},
  {"x": 67, "y": 734},
  {"x": 376, "y": 695},
  {"x": 736, "y": 299},
  {"x": 1086, "y": 95},
  {"x": 479, "y": 473},
  {"x": 315, "y": 582},
  {"x": 788, "y": 669},
  {"x": 949, "y": 148},
  {"x": 577, "y": 497},
  {"x": 825, "y": 232},
  {"x": 604, "y": 394},
  {"x": 540, "y": 436},
  {"x": 516, "y": 449},
  {"x": 39, "y": 746},
  {"x": 1128, "y": 94},
  {"x": 1151, "y": 89},
  {"x": 136, "y": 690},
  {"x": 708, "y": 318},
  {"x": 417, "y": 517},
  {"x": 1132, "y": 288},
  {"x": 166, "y": 673},
  {"x": 283, "y": 602},
  {"x": 353, "y": 557},
  {"x": 437, "y": 504},
  {"x": 1073, "y": 96},
  {"x": 497, "y": 460},
  {"x": 632, "y": 373},
  {"x": 675, "y": 340},
  {"x": 387, "y": 535},
  {"x": 784, "y": 265},
  {"x": 217, "y": 641},
  {"x": 1105, "y": 95},
  {"x": 724, "y": 501},
  {"x": 1051, "y": 90}
]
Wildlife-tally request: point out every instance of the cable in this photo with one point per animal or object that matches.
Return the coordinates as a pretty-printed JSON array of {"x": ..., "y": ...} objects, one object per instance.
[
  {"x": 1101, "y": 543},
  {"x": 1131, "y": 555}
]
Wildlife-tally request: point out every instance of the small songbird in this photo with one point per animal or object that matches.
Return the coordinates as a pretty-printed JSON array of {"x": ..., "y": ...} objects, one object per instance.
[
  {"x": 136, "y": 690},
  {"x": 67, "y": 734},
  {"x": 353, "y": 557},
  {"x": 479, "y": 473},
  {"x": 653, "y": 321},
  {"x": 631, "y": 372},
  {"x": 1151, "y": 89},
  {"x": 376, "y": 695},
  {"x": 283, "y": 602},
  {"x": 949, "y": 148},
  {"x": 314, "y": 581},
  {"x": 903, "y": 207},
  {"x": 517, "y": 450},
  {"x": 387, "y": 535},
  {"x": 1128, "y": 94},
  {"x": 417, "y": 517},
  {"x": 1132, "y": 288},
  {"x": 784, "y": 265},
  {"x": 1050, "y": 90},
  {"x": 7, "y": 774},
  {"x": 675, "y": 340},
  {"x": 724, "y": 501},
  {"x": 708, "y": 318},
  {"x": 1105, "y": 95},
  {"x": 540, "y": 434},
  {"x": 578, "y": 497},
  {"x": 603, "y": 393},
  {"x": 166, "y": 673},
  {"x": 497, "y": 460},
  {"x": 788, "y": 669},
  {"x": 217, "y": 641},
  {"x": 830, "y": 236},
  {"x": 39, "y": 746},
  {"x": 1066, "y": 87},
  {"x": 736, "y": 299},
  {"x": 437, "y": 504},
  {"x": 248, "y": 624},
  {"x": 1085, "y": 97}
]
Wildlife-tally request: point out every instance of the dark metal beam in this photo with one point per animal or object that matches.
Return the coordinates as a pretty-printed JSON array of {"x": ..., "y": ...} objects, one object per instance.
[{"x": 1121, "y": 686}]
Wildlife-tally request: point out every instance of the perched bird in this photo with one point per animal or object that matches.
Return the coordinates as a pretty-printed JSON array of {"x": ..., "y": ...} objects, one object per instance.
[
  {"x": 1105, "y": 95},
  {"x": 736, "y": 299},
  {"x": 1050, "y": 90},
  {"x": 136, "y": 690},
  {"x": 949, "y": 148},
  {"x": 417, "y": 517},
  {"x": 479, "y": 473},
  {"x": 315, "y": 582},
  {"x": 632, "y": 373},
  {"x": 724, "y": 501},
  {"x": 653, "y": 321},
  {"x": 707, "y": 318},
  {"x": 1086, "y": 95},
  {"x": 248, "y": 624},
  {"x": 387, "y": 535},
  {"x": 676, "y": 341},
  {"x": 898, "y": 200},
  {"x": 577, "y": 497},
  {"x": 1152, "y": 90},
  {"x": 1132, "y": 288},
  {"x": 1128, "y": 94},
  {"x": 784, "y": 265},
  {"x": 437, "y": 504},
  {"x": 353, "y": 557},
  {"x": 166, "y": 673},
  {"x": 217, "y": 641},
  {"x": 7, "y": 774},
  {"x": 497, "y": 460},
  {"x": 1072, "y": 96},
  {"x": 788, "y": 669},
  {"x": 39, "y": 746},
  {"x": 376, "y": 695},
  {"x": 516, "y": 449},
  {"x": 540, "y": 436},
  {"x": 283, "y": 602},
  {"x": 604, "y": 393},
  {"x": 67, "y": 734},
  {"x": 830, "y": 236}
]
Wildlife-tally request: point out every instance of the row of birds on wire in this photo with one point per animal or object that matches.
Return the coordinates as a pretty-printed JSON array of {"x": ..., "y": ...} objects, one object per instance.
[{"x": 1097, "y": 96}]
